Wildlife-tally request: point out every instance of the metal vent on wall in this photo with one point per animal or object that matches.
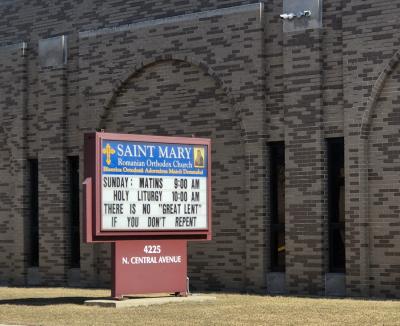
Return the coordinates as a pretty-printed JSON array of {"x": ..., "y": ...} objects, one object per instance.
[
  {"x": 299, "y": 15},
  {"x": 53, "y": 51}
]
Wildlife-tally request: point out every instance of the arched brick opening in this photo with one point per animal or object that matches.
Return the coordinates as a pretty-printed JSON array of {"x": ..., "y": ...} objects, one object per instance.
[
  {"x": 174, "y": 97},
  {"x": 377, "y": 201},
  {"x": 381, "y": 135}
]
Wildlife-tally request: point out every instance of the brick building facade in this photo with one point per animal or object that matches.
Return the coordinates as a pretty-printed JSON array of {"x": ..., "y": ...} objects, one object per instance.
[{"x": 304, "y": 124}]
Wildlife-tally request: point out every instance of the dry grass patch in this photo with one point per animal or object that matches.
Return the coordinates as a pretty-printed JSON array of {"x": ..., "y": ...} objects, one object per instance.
[{"x": 60, "y": 306}]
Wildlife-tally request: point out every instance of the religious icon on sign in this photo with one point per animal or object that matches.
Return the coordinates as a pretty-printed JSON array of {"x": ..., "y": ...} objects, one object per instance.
[
  {"x": 108, "y": 151},
  {"x": 199, "y": 157}
]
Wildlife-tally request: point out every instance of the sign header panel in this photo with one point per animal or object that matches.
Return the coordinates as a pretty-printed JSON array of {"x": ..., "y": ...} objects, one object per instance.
[{"x": 153, "y": 159}]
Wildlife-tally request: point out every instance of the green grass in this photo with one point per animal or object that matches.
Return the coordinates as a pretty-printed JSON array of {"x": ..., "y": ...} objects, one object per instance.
[{"x": 60, "y": 306}]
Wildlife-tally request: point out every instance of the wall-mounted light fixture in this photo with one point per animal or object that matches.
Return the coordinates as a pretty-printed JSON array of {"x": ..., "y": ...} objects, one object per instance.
[{"x": 290, "y": 16}]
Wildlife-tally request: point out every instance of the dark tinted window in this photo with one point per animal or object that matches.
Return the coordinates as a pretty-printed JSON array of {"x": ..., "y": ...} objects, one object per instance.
[
  {"x": 277, "y": 200},
  {"x": 33, "y": 250},
  {"x": 336, "y": 204},
  {"x": 73, "y": 162}
]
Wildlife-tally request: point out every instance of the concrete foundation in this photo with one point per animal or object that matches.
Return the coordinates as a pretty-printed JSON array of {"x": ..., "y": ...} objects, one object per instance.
[
  {"x": 146, "y": 301},
  {"x": 335, "y": 284}
]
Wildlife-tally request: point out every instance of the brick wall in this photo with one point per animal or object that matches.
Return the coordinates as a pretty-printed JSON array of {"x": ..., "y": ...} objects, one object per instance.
[{"x": 230, "y": 73}]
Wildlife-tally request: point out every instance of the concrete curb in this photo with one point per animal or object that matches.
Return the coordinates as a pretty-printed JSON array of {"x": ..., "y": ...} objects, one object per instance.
[{"x": 149, "y": 301}]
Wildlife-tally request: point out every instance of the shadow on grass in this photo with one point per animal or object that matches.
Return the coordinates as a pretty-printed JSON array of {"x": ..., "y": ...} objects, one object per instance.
[
  {"x": 65, "y": 300},
  {"x": 46, "y": 301}
]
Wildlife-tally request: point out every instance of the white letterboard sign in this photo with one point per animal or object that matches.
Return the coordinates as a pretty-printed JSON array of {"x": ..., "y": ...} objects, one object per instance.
[{"x": 153, "y": 186}]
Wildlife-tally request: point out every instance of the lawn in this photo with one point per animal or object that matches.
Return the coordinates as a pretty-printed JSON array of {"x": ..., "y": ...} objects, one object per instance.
[{"x": 60, "y": 306}]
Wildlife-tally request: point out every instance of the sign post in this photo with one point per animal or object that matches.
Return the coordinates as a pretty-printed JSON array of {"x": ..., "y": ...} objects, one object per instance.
[
  {"x": 148, "y": 195},
  {"x": 149, "y": 266}
]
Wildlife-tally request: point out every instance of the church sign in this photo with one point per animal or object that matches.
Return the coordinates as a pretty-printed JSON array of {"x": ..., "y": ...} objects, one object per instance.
[
  {"x": 147, "y": 185},
  {"x": 153, "y": 191}
]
